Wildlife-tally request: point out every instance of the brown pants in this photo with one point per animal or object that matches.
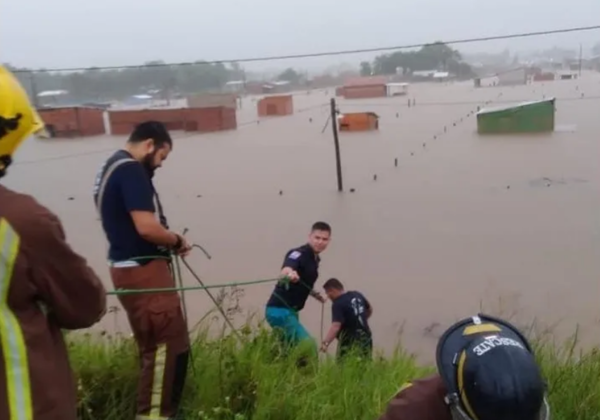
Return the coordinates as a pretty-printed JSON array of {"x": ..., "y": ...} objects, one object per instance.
[{"x": 161, "y": 335}]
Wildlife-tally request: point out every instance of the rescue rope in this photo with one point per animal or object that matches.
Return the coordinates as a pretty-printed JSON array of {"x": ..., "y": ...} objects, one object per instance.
[
  {"x": 199, "y": 280},
  {"x": 174, "y": 260},
  {"x": 118, "y": 292},
  {"x": 322, "y": 320}
]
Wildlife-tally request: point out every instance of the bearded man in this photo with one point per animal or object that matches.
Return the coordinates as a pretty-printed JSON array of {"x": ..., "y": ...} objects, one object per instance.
[{"x": 140, "y": 247}]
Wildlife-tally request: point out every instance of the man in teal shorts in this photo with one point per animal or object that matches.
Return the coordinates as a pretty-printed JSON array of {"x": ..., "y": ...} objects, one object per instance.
[{"x": 301, "y": 267}]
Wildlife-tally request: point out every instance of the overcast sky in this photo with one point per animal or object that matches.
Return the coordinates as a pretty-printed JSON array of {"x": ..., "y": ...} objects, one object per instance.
[{"x": 74, "y": 33}]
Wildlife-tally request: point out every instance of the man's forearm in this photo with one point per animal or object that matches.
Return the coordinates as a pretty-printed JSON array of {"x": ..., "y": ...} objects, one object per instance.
[
  {"x": 158, "y": 235},
  {"x": 332, "y": 333}
]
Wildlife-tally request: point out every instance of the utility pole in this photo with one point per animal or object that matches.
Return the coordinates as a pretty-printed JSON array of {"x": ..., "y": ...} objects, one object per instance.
[
  {"x": 580, "y": 58},
  {"x": 336, "y": 140},
  {"x": 34, "y": 92}
]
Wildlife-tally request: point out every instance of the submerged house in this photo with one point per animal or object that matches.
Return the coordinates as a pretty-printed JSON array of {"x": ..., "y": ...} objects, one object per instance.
[
  {"x": 358, "y": 121},
  {"x": 525, "y": 117}
]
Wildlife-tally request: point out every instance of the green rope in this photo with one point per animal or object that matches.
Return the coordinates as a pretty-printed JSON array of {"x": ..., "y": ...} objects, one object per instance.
[
  {"x": 173, "y": 260},
  {"x": 181, "y": 289},
  {"x": 177, "y": 273}
]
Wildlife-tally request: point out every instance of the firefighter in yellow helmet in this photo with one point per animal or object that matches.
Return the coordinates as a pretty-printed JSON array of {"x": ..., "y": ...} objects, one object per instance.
[
  {"x": 44, "y": 286},
  {"x": 18, "y": 120}
]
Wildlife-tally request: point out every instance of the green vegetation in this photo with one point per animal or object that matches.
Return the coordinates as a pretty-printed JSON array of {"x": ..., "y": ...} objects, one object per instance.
[
  {"x": 101, "y": 85},
  {"x": 233, "y": 379},
  {"x": 436, "y": 56}
]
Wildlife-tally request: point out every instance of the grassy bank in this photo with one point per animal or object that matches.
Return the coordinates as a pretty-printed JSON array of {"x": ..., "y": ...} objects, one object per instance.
[{"x": 233, "y": 380}]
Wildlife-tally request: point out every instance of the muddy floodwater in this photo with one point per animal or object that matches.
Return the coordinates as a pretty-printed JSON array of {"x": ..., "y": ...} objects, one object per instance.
[{"x": 507, "y": 223}]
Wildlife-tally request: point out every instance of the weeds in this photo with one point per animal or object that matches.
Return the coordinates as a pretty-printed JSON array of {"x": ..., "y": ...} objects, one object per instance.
[
  {"x": 245, "y": 376},
  {"x": 233, "y": 380}
]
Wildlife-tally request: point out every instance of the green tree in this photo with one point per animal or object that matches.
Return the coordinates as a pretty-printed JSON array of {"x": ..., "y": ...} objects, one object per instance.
[
  {"x": 290, "y": 75},
  {"x": 436, "y": 56},
  {"x": 365, "y": 68},
  {"x": 237, "y": 72}
]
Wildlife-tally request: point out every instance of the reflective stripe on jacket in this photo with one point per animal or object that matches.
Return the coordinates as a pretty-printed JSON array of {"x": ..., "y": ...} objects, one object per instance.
[
  {"x": 12, "y": 342},
  {"x": 45, "y": 287}
]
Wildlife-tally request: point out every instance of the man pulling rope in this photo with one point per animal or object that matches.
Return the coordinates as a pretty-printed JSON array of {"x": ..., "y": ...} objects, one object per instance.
[{"x": 136, "y": 227}]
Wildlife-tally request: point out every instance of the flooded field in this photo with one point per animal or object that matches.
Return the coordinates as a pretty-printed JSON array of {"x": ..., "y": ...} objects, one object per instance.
[{"x": 510, "y": 223}]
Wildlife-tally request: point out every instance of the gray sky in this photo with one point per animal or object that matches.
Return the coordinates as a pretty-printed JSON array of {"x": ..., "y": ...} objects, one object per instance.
[{"x": 65, "y": 33}]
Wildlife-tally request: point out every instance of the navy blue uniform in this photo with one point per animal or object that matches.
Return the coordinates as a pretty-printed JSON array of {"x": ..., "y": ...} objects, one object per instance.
[
  {"x": 284, "y": 303},
  {"x": 306, "y": 263},
  {"x": 350, "y": 310},
  {"x": 129, "y": 188}
]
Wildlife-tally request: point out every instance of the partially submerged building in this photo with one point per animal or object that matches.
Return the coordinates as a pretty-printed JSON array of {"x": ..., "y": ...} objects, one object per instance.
[
  {"x": 567, "y": 75},
  {"x": 543, "y": 77},
  {"x": 203, "y": 120},
  {"x": 365, "y": 87},
  {"x": 211, "y": 100},
  {"x": 512, "y": 77},
  {"x": 358, "y": 121},
  {"x": 73, "y": 121},
  {"x": 279, "y": 86},
  {"x": 271, "y": 106},
  {"x": 525, "y": 117},
  {"x": 397, "y": 89}
]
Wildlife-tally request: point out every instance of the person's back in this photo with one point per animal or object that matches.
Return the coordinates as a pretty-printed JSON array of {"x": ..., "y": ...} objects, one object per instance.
[
  {"x": 350, "y": 312},
  {"x": 354, "y": 309},
  {"x": 37, "y": 269}
]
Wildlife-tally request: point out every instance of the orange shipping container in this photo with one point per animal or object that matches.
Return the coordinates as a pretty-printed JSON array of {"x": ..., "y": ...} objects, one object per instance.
[
  {"x": 275, "y": 106},
  {"x": 73, "y": 121},
  {"x": 359, "y": 121}
]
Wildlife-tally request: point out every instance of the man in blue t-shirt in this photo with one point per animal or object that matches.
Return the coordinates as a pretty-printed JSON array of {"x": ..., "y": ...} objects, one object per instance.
[
  {"x": 350, "y": 313},
  {"x": 301, "y": 266},
  {"x": 139, "y": 254}
]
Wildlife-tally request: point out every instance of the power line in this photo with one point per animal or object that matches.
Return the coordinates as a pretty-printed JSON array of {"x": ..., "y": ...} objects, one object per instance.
[{"x": 320, "y": 54}]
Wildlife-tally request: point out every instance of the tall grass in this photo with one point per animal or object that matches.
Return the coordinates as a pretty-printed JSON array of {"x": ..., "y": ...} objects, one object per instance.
[{"x": 243, "y": 379}]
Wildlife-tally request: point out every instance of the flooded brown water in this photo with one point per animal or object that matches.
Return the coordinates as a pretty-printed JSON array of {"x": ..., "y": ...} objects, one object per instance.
[{"x": 508, "y": 222}]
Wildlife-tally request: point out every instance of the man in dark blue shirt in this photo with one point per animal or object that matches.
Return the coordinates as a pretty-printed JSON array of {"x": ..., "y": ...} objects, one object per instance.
[
  {"x": 301, "y": 267},
  {"x": 350, "y": 321},
  {"x": 139, "y": 251}
]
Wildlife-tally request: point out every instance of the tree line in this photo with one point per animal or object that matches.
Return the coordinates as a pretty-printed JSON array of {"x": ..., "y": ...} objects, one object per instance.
[
  {"x": 168, "y": 81},
  {"x": 97, "y": 85},
  {"x": 437, "y": 56}
]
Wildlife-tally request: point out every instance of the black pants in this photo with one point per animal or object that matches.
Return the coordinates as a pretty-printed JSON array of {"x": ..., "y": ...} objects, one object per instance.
[{"x": 362, "y": 348}]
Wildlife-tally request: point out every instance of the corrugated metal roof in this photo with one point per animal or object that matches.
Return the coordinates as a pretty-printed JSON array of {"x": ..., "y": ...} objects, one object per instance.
[
  {"x": 505, "y": 107},
  {"x": 52, "y": 93}
]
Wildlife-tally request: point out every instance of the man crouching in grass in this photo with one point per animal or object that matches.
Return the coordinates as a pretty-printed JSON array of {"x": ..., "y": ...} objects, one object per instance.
[{"x": 350, "y": 313}]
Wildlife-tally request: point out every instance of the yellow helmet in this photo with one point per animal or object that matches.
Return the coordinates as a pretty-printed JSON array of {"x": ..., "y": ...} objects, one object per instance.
[{"x": 18, "y": 119}]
